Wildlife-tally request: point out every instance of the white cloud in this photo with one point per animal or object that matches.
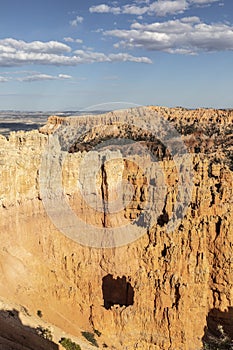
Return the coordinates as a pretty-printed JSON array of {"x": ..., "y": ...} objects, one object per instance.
[
  {"x": 184, "y": 36},
  {"x": 134, "y": 10},
  {"x": 158, "y": 7},
  {"x": 20, "y": 58},
  {"x": 173, "y": 26},
  {"x": 68, "y": 39},
  {"x": 103, "y": 8},
  {"x": 42, "y": 77},
  {"x": 165, "y": 7},
  {"x": 125, "y": 57},
  {"x": 19, "y": 54},
  {"x": 3, "y": 79},
  {"x": 36, "y": 77},
  {"x": 91, "y": 57},
  {"x": 10, "y": 45},
  {"x": 76, "y": 21},
  {"x": 64, "y": 76},
  {"x": 193, "y": 19},
  {"x": 71, "y": 40}
]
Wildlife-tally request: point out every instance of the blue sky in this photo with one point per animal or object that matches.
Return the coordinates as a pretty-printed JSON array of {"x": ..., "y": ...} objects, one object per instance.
[{"x": 59, "y": 55}]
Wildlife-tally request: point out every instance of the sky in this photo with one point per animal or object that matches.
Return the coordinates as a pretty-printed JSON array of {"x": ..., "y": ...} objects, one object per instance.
[{"x": 74, "y": 55}]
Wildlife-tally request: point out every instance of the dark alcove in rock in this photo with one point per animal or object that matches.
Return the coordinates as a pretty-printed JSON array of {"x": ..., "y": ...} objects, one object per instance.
[
  {"x": 117, "y": 292},
  {"x": 219, "y": 330}
]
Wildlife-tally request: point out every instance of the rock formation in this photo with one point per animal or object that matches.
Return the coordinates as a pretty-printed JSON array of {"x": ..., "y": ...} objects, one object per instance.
[{"x": 165, "y": 290}]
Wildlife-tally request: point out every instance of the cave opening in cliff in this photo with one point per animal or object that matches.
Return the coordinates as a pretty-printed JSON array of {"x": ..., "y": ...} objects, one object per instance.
[
  {"x": 219, "y": 329},
  {"x": 117, "y": 291}
]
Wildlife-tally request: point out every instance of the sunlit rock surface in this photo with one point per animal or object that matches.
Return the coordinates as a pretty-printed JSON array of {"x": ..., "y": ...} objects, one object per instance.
[{"x": 171, "y": 285}]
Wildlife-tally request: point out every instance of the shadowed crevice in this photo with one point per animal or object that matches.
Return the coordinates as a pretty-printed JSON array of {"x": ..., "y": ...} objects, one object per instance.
[
  {"x": 117, "y": 292},
  {"x": 14, "y": 335}
]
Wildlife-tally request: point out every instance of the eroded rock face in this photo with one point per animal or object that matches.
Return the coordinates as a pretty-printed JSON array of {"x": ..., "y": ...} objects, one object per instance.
[{"x": 176, "y": 277}]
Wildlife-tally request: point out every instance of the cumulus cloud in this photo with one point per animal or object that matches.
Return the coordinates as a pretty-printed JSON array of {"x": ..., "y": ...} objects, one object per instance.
[
  {"x": 103, "y": 8},
  {"x": 76, "y": 21},
  {"x": 20, "y": 58},
  {"x": 159, "y": 7},
  {"x": 134, "y": 10},
  {"x": 18, "y": 53},
  {"x": 165, "y": 7},
  {"x": 187, "y": 35},
  {"x": 172, "y": 26},
  {"x": 10, "y": 45}
]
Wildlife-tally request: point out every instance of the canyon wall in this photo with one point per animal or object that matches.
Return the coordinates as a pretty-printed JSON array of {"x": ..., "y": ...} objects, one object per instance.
[{"x": 160, "y": 291}]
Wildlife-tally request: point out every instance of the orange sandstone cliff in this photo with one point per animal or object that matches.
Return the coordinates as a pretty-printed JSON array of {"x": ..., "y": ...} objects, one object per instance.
[{"x": 165, "y": 290}]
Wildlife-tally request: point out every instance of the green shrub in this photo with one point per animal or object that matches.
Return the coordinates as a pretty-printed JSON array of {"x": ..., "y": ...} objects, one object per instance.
[
  {"x": 91, "y": 338},
  {"x": 68, "y": 344},
  {"x": 39, "y": 313}
]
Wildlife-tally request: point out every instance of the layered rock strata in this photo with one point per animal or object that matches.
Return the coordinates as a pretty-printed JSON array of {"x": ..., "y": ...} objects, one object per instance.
[{"x": 170, "y": 284}]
